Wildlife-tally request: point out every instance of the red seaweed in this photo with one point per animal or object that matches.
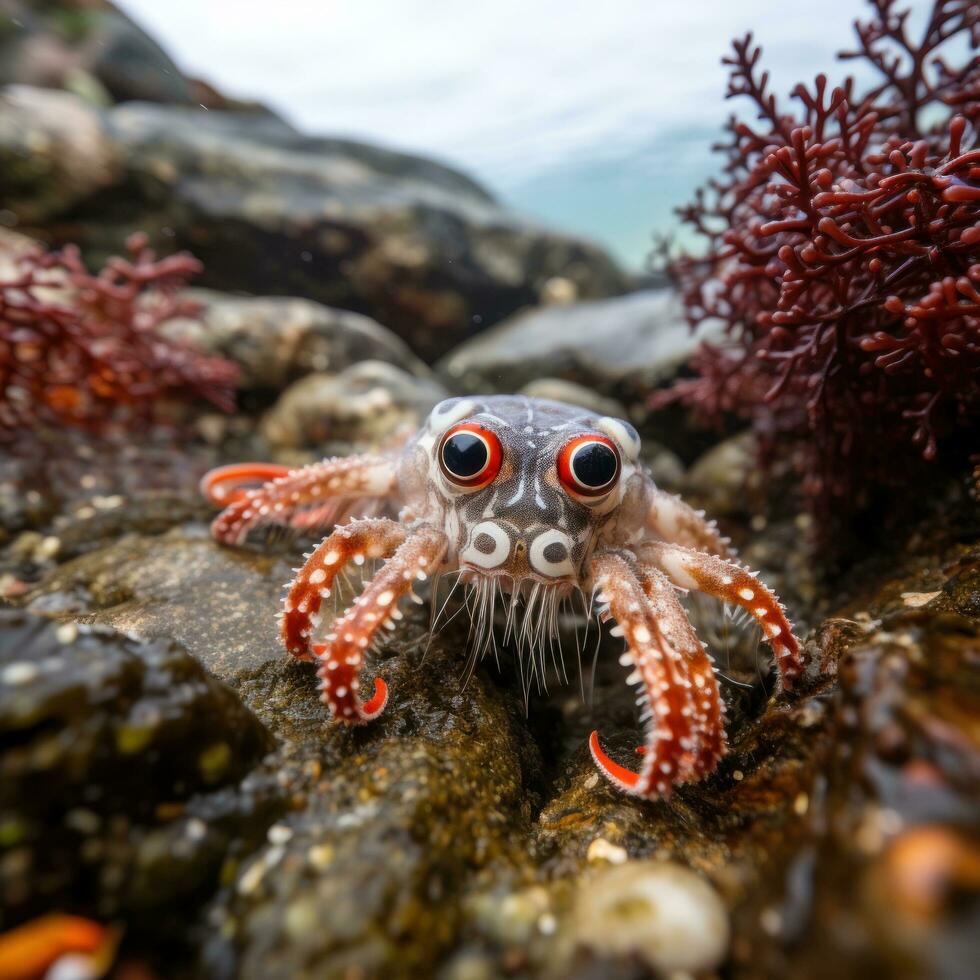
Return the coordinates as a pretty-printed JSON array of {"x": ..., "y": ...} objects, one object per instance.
[
  {"x": 84, "y": 350},
  {"x": 842, "y": 255}
]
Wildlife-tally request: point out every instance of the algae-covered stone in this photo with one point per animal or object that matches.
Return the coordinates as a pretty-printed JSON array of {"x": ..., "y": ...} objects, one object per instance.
[
  {"x": 219, "y": 602},
  {"x": 461, "y": 835},
  {"x": 397, "y": 818},
  {"x": 98, "y": 732}
]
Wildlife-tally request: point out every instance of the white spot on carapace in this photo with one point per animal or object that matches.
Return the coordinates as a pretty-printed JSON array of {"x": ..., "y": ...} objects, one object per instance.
[
  {"x": 473, "y": 556},
  {"x": 545, "y": 566}
]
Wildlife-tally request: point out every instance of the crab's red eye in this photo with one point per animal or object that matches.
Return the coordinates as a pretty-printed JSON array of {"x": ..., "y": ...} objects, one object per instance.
[
  {"x": 589, "y": 465},
  {"x": 470, "y": 455}
]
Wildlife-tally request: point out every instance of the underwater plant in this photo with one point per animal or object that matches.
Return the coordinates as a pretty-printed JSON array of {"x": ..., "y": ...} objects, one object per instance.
[
  {"x": 842, "y": 256},
  {"x": 84, "y": 350}
]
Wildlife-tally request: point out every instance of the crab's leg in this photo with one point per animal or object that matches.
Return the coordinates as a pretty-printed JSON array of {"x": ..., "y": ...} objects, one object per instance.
[
  {"x": 729, "y": 582},
  {"x": 341, "y": 655},
  {"x": 670, "y": 519},
  {"x": 682, "y": 742},
  {"x": 321, "y": 490},
  {"x": 354, "y": 542},
  {"x": 673, "y": 620}
]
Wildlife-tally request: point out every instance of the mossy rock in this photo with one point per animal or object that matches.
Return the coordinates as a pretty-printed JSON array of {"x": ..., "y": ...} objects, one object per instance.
[{"x": 106, "y": 740}]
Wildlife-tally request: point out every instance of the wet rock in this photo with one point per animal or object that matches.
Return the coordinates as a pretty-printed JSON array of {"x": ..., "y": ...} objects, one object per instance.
[
  {"x": 659, "y": 912},
  {"x": 726, "y": 479},
  {"x": 416, "y": 245},
  {"x": 460, "y": 836},
  {"x": 903, "y": 800},
  {"x": 101, "y": 734},
  {"x": 896, "y": 793},
  {"x": 559, "y": 390},
  {"x": 397, "y": 818},
  {"x": 55, "y": 150},
  {"x": 620, "y": 348},
  {"x": 368, "y": 403},
  {"x": 78, "y": 46},
  {"x": 218, "y": 602},
  {"x": 277, "y": 340}
]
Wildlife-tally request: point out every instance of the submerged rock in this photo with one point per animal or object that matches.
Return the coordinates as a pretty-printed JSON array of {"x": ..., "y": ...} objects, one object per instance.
[{"x": 416, "y": 245}]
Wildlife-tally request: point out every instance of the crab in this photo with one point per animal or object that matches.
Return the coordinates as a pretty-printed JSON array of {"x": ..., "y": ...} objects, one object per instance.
[{"x": 532, "y": 503}]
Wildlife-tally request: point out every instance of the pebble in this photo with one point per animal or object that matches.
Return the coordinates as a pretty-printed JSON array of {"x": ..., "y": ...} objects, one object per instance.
[
  {"x": 601, "y": 850},
  {"x": 17, "y": 673},
  {"x": 665, "y": 914}
]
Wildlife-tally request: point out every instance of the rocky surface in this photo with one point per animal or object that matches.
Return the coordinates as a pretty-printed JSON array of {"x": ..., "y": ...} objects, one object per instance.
[
  {"x": 166, "y": 770},
  {"x": 416, "y": 245},
  {"x": 460, "y": 837},
  {"x": 93, "y": 49},
  {"x": 276, "y": 340},
  {"x": 621, "y": 348},
  {"x": 113, "y": 753},
  {"x": 364, "y": 404}
]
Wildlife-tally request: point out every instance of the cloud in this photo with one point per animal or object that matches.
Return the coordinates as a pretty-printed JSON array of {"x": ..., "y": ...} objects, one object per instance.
[{"x": 509, "y": 90}]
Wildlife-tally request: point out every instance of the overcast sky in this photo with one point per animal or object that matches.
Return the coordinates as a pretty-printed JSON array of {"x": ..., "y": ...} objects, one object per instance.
[{"x": 596, "y": 117}]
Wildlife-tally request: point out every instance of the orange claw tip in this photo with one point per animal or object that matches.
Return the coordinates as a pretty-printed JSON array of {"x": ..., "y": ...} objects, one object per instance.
[
  {"x": 619, "y": 775},
  {"x": 374, "y": 707},
  {"x": 223, "y": 485},
  {"x": 29, "y": 951}
]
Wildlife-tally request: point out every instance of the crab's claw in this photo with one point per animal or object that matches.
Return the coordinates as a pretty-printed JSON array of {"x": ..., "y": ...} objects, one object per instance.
[
  {"x": 340, "y": 689},
  {"x": 682, "y": 714},
  {"x": 227, "y": 485},
  {"x": 68, "y": 943},
  {"x": 618, "y": 775},
  {"x": 374, "y": 707}
]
